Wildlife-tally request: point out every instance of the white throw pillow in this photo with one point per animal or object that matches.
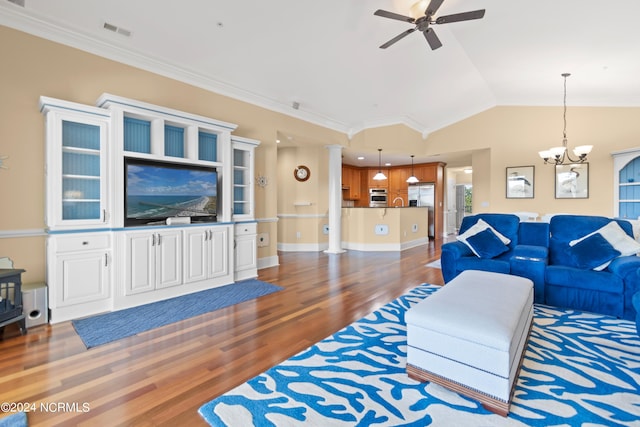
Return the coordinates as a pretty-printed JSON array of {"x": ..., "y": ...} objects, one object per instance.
[
  {"x": 616, "y": 236},
  {"x": 476, "y": 228}
]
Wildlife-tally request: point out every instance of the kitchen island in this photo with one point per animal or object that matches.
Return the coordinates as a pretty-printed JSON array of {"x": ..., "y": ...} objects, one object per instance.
[{"x": 384, "y": 229}]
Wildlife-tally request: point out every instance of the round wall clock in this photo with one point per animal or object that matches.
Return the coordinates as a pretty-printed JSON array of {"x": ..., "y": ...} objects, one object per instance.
[{"x": 301, "y": 173}]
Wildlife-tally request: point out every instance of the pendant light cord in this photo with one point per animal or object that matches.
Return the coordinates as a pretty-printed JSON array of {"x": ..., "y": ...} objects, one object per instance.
[{"x": 564, "y": 116}]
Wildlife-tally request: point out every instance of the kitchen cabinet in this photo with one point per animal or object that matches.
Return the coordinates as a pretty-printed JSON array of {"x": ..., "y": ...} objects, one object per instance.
[
  {"x": 398, "y": 186},
  {"x": 351, "y": 183},
  {"x": 371, "y": 183},
  {"x": 427, "y": 172}
]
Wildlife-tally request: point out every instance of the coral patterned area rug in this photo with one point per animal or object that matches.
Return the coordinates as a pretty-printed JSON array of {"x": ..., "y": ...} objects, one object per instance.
[{"x": 579, "y": 369}]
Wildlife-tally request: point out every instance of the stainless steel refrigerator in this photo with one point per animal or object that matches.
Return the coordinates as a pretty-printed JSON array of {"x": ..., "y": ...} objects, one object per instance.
[{"x": 423, "y": 194}]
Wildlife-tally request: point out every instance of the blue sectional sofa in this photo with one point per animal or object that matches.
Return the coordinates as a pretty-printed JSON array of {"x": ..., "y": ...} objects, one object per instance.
[{"x": 576, "y": 261}]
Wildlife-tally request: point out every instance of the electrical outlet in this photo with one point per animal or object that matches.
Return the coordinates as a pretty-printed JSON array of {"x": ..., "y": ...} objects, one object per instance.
[
  {"x": 381, "y": 229},
  {"x": 263, "y": 240},
  {"x": 298, "y": 235},
  {"x": 325, "y": 229}
]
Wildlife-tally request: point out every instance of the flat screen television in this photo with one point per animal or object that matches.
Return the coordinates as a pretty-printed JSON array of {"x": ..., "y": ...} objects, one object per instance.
[{"x": 155, "y": 191}]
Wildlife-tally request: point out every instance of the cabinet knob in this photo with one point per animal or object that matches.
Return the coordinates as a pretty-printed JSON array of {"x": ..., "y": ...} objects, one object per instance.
[{"x": 85, "y": 243}]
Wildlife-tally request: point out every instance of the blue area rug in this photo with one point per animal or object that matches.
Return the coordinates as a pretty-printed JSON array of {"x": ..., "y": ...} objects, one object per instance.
[
  {"x": 579, "y": 369},
  {"x": 18, "y": 419},
  {"x": 105, "y": 328}
]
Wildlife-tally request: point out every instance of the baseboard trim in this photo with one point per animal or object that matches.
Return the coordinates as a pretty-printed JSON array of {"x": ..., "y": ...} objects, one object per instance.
[{"x": 267, "y": 262}]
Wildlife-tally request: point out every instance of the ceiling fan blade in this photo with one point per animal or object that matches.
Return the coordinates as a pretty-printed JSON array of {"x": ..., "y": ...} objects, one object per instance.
[
  {"x": 391, "y": 15},
  {"x": 397, "y": 38},
  {"x": 432, "y": 39},
  {"x": 457, "y": 17},
  {"x": 433, "y": 7}
]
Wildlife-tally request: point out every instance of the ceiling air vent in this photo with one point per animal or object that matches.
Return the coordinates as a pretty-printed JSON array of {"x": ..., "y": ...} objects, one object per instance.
[{"x": 116, "y": 29}]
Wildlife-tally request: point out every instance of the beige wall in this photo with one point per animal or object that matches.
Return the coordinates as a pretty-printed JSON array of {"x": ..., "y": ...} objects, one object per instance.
[
  {"x": 512, "y": 136},
  {"x": 502, "y": 136},
  {"x": 303, "y": 206},
  {"x": 33, "y": 67}
]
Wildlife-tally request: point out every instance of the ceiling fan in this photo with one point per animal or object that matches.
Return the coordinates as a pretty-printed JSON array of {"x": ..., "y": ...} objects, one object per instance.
[{"x": 423, "y": 23}]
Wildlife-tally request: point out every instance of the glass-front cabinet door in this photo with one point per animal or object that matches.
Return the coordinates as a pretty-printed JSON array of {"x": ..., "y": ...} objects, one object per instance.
[
  {"x": 76, "y": 168},
  {"x": 241, "y": 190},
  {"x": 243, "y": 185}
]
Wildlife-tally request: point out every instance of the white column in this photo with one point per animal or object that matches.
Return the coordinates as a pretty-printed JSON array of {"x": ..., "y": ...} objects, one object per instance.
[{"x": 335, "y": 199}]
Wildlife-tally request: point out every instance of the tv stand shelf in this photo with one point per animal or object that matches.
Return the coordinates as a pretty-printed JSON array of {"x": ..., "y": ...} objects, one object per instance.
[{"x": 98, "y": 258}]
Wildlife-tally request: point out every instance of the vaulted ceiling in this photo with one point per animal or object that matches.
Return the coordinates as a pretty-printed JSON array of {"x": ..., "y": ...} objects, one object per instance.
[{"x": 320, "y": 60}]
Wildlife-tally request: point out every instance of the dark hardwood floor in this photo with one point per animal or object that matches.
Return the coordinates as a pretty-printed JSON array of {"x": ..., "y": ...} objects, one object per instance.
[{"x": 163, "y": 376}]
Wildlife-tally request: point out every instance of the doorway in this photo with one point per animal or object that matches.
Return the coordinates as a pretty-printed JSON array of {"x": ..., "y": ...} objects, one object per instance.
[{"x": 464, "y": 202}]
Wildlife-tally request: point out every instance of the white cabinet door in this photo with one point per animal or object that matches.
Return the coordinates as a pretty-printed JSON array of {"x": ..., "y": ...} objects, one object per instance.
[
  {"x": 195, "y": 255},
  {"x": 243, "y": 150},
  {"x": 82, "y": 277},
  {"x": 154, "y": 260},
  {"x": 76, "y": 165},
  {"x": 246, "y": 251},
  {"x": 168, "y": 259},
  {"x": 246, "y": 256},
  {"x": 218, "y": 252},
  {"x": 206, "y": 252},
  {"x": 141, "y": 263}
]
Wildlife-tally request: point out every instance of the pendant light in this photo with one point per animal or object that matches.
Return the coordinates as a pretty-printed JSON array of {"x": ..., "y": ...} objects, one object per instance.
[
  {"x": 558, "y": 155},
  {"x": 412, "y": 179},
  {"x": 379, "y": 176}
]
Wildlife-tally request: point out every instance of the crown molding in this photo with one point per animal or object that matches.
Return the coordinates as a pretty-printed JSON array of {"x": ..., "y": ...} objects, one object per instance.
[
  {"x": 18, "y": 18},
  {"x": 15, "y": 17},
  {"x": 390, "y": 121}
]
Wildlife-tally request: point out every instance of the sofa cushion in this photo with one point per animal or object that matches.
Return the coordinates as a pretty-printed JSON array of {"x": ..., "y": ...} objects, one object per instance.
[
  {"x": 566, "y": 228},
  {"x": 480, "y": 225},
  {"x": 496, "y": 265},
  {"x": 592, "y": 252},
  {"x": 486, "y": 244},
  {"x": 601, "y": 281},
  {"x": 616, "y": 236}
]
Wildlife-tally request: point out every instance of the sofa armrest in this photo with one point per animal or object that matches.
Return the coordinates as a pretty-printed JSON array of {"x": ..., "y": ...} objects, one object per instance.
[
  {"x": 457, "y": 249},
  {"x": 628, "y": 268},
  {"x": 531, "y": 261},
  {"x": 450, "y": 253},
  {"x": 530, "y": 253},
  {"x": 624, "y": 265}
]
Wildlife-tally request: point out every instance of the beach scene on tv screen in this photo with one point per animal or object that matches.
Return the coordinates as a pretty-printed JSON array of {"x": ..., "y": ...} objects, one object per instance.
[{"x": 161, "y": 192}]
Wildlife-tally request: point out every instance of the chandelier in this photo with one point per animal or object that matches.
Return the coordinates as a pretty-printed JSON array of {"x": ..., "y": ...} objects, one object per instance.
[{"x": 559, "y": 155}]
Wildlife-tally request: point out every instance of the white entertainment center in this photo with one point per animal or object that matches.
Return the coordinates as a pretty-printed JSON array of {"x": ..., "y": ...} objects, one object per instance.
[{"x": 96, "y": 260}]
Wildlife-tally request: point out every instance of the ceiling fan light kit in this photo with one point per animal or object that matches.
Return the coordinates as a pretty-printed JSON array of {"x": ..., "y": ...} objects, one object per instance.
[{"x": 423, "y": 23}]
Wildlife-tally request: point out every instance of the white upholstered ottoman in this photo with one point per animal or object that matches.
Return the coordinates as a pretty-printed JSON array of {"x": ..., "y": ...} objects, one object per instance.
[{"x": 469, "y": 336}]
